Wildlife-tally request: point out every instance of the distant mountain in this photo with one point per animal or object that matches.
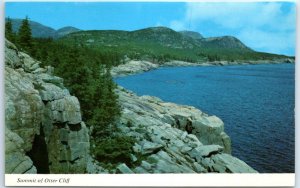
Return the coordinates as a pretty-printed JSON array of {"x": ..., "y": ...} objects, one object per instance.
[
  {"x": 153, "y": 43},
  {"x": 162, "y": 36},
  {"x": 66, "y": 30},
  {"x": 192, "y": 34},
  {"x": 41, "y": 31},
  {"x": 165, "y": 43},
  {"x": 38, "y": 30},
  {"x": 228, "y": 42},
  {"x": 165, "y": 37}
]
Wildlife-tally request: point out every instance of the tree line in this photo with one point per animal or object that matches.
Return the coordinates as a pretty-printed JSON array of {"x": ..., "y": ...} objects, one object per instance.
[{"x": 23, "y": 37}]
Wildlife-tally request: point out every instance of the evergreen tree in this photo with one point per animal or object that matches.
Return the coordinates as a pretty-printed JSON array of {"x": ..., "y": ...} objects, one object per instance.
[
  {"x": 106, "y": 106},
  {"x": 87, "y": 75},
  {"x": 8, "y": 31},
  {"x": 24, "y": 36}
]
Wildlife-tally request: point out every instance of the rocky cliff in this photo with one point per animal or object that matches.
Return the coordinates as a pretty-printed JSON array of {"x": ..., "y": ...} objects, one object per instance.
[
  {"x": 44, "y": 132},
  {"x": 173, "y": 138}
]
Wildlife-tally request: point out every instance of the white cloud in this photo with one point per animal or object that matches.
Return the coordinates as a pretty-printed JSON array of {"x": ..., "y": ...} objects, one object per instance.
[
  {"x": 262, "y": 26},
  {"x": 273, "y": 42},
  {"x": 238, "y": 15}
]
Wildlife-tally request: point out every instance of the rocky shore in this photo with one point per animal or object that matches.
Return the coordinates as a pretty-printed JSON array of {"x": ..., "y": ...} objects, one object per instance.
[
  {"x": 175, "y": 138},
  {"x": 44, "y": 132},
  {"x": 134, "y": 67}
]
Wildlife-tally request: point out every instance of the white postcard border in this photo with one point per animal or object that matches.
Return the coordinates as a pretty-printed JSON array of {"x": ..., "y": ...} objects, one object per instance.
[
  {"x": 174, "y": 180},
  {"x": 153, "y": 180}
]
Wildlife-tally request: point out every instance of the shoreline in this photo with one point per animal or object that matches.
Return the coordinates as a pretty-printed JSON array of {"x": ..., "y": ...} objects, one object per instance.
[
  {"x": 132, "y": 67},
  {"x": 176, "y": 132},
  {"x": 170, "y": 138},
  {"x": 137, "y": 67}
]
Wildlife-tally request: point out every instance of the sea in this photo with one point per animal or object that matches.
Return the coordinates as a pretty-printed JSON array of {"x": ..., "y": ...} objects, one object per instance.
[{"x": 255, "y": 102}]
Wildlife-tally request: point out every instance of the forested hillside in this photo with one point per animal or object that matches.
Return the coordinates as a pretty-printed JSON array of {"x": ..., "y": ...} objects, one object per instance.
[
  {"x": 156, "y": 44},
  {"x": 161, "y": 44}
]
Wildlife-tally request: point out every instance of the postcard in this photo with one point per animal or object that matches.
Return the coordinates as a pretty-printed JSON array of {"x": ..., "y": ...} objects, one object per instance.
[{"x": 150, "y": 93}]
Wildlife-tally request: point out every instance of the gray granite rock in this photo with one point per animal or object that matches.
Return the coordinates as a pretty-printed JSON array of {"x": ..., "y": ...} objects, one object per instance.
[
  {"x": 205, "y": 151},
  {"x": 24, "y": 107},
  {"x": 29, "y": 64},
  {"x": 124, "y": 169},
  {"x": 174, "y": 138},
  {"x": 51, "y": 92},
  {"x": 150, "y": 147},
  {"x": 132, "y": 67},
  {"x": 12, "y": 58},
  {"x": 232, "y": 164},
  {"x": 36, "y": 100},
  {"x": 66, "y": 109},
  {"x": 16, "y": 161}
]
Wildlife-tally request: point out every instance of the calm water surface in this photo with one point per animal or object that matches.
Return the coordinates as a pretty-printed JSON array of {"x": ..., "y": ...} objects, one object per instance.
[{"x": 256, "y": 103}]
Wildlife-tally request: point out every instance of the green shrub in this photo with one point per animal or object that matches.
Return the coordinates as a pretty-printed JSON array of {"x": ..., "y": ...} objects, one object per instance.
[
  {"x": 129, "y": 123},
  {"x": 115, "y": 150}
]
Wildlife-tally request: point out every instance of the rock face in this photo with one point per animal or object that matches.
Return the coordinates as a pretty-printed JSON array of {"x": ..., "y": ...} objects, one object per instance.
[
  {"x": 40, "y": 110},
  {"x": 176, "y": 63},
  {"x": 175, "y": 139},
  {"x": 133, "y": 67}
]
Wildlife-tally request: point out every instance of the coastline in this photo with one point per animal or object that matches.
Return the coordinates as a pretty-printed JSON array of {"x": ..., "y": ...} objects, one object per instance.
[
  {"x": 175, "y": 138},
  {"x": 132, "y": 67},
  {"x": 135, "y": 102},
  {"x": 169, "y": 138},
  {"x": 137, "y": 67}
]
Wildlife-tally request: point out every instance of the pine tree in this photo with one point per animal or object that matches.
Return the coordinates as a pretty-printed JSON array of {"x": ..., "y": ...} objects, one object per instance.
[
  {"x": 87, "y": 75},
  {"x": 9, "y": 35},
  {"x": 24, "y": 36}
]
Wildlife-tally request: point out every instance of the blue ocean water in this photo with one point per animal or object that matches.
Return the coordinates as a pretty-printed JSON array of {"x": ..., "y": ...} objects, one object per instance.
[{"x": 256, "y": 103}]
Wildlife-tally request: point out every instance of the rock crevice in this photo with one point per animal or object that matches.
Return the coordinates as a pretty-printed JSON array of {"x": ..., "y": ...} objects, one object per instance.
[{"x": 38, "y": 106}]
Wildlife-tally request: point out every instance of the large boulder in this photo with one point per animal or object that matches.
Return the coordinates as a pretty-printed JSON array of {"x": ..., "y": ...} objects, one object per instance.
[
  {"x": 231, "y": 164},
  {"x": 65, "y": 110},
  {"x": 210, "y": 130},
  {"x": 16, "y": 162},
  {"x": 132, "y": 67},
  {"x": 12, "y": 58}
]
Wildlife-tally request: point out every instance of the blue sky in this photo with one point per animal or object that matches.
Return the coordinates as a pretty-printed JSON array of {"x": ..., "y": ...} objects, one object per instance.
[{"x": 268, "y": 27}]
